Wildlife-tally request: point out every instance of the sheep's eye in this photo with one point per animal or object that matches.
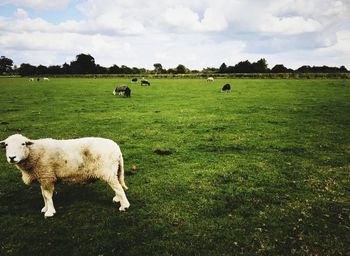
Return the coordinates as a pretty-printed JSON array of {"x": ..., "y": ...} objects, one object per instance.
[
  {"x": 23, "y": 144},
  {"x": 6, "y": 145}
]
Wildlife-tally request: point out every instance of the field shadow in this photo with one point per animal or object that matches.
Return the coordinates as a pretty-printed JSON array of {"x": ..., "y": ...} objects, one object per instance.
[
  {"x": 29, "y": 199},
  {"x": 68, "y": 195}
]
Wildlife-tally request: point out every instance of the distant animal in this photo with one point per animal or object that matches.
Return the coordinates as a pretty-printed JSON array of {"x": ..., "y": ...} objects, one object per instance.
[
  {"x": 46, "y": 79},
  {"x": 38, "y": 79},
  {"x": 127, "y": 92},
  {"x": 122, "y": 90},
  {"x": 72, "y": 161},
  {"x": 31, "y": 79},
  {"x": 210, "y": 79},
  {"x": 226, "y": 88},
  {"x": 145, "y": 82},
  {"x": 134, "y": 80}
]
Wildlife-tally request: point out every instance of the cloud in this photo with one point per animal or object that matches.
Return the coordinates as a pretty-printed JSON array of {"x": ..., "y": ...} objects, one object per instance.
[
  {"x": 184, "y": 19},
  {"x": 181, "y": 17},
  {"x": 195, "y": 33},
  {"x": 44, "y": 48},
  {"x": 213, "y": 21},
  {"x": 21, "y": 14},
  {"x": 289, "y": 25}
]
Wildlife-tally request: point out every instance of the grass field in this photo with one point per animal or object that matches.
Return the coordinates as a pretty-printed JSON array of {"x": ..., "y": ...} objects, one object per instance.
[{"x": 263, "y": 170}]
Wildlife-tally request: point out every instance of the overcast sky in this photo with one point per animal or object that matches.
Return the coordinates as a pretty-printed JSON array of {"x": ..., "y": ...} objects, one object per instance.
[{"x": 196, "y": 33}]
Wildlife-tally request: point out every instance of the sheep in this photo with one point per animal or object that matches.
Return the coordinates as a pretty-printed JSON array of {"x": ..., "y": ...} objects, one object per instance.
[
  {"x": 134, "y": 80},
  {"x": 46, "y": 79},
  {"x": 31, "y": 79},
  {"x": 127, "y": 92},
  {"x": 210, "y": 79},
  {"x": 145, "y": 82},
  {"x": 226, "y": 88},
  {"x": 72, "y": 161},
  {"x": 122, "y": 90}
]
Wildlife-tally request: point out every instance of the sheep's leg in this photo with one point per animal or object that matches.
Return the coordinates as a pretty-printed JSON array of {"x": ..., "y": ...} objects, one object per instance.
[
  {"x": 121, "y": 173},
  {"x": 44, "y": 209},
  {"x": 119, "y": 195},
  {"x": 48, "y": 193}
]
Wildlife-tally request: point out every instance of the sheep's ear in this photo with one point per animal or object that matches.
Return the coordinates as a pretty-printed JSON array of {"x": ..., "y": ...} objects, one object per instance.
[
  {"x": 2, "y": 144},
  {"x": 28, "y": 143}
]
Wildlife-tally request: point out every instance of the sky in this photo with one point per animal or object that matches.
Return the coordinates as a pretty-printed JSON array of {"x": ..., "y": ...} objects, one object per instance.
[{"x": 195, "y": 33}]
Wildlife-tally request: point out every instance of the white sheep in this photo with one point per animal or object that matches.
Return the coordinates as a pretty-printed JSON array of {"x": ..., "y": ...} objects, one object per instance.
[
  {"x": 46, "y": 79},
  {"x": 73, "y": 161},
  {"x": 210, "y": 79}
]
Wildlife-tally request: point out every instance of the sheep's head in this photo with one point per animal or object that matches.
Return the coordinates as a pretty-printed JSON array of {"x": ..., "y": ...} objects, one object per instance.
[{"x": 17, "y": 148}]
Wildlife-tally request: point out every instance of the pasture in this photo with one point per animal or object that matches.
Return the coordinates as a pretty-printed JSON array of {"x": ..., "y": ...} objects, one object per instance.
[{"x": 263, "y": 170}]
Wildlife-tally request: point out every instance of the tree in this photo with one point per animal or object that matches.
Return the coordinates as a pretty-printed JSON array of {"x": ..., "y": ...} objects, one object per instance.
[
  {"x": 243, "y": 67},
  {"x": 343, "y": 69},
  {"x": 54, "y": 70},
  {"x": 172, "y": 71},
  {"x": 158, "y": 68},
  {"x": 259, "y": 67},
  {"x": 126, "y": 70},
  {"x": 279, "y": 68},
  {"x": 135, "y": 70},
  {"x": 84, "y": 64},
  {"x": 114, "y": 70},
  {"x": 26, "y": 69},
  {"x": 304, "y": 69},
  {"x": 181, "y": 69},
  {"x": 66, "y": 69},
  {"x": 5, "y": 65},
  {"x": 230, "y": 69},
  {"x": 41, "y": 70},
  {"x": 101, "y": 70},
  {"x": 223, "y": 68}
]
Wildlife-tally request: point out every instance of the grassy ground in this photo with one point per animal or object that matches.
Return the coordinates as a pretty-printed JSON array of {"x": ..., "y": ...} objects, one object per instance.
[{"x": 263, "y": 170}]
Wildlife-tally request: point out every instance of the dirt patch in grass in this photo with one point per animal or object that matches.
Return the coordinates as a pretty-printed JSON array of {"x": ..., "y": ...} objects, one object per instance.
[{"x": 163, "y": 152}]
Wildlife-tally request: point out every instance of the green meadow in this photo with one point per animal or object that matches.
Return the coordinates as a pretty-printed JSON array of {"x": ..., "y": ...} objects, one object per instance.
[{"x": 263, "y": 170}]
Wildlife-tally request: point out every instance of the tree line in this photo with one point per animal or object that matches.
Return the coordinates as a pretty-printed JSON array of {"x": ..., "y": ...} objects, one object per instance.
[{"x": 85, "y": 64}]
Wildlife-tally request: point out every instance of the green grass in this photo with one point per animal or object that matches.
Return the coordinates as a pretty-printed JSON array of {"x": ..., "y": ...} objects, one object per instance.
[{"x": 263, "y": 170}]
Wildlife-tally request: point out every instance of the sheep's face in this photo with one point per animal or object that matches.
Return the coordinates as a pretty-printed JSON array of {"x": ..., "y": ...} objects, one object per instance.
[{"x": 17, "y": 148}]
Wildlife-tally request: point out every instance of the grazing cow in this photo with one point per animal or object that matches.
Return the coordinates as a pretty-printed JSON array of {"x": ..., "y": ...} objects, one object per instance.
[
  {"x": 145, "y": 82},
  {"x": 134, "y": 80},
  {"x": 210, "y": 79},
  {"x": 72, "y": 161},
  {"x": 122, "y": 90},
  {"x": 226, "y": 88}
]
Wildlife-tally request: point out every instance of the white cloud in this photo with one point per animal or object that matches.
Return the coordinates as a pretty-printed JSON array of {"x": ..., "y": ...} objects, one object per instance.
[
  {"x": 21, "y": 14},
  {"x": 289, "y": 25},
  {"x": 195, "y": 33},
  {"x": 55, "y": 45},
  {"x": 182, "y": 17},
  {"x": 213, "y": 20}
]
